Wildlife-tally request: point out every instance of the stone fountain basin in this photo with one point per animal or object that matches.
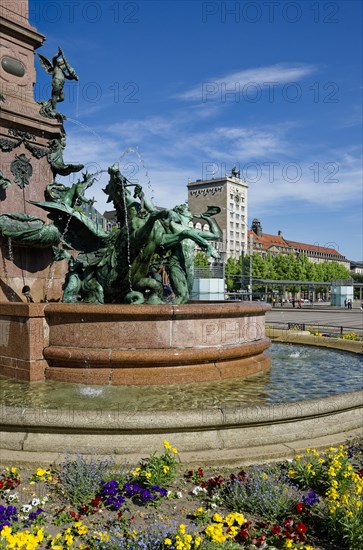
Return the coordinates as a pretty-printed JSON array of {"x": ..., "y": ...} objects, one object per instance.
[
  {"x": 39, "y": 341},
  {"x": 133, "y": 344},
  {"x": 225, "y": 435}
]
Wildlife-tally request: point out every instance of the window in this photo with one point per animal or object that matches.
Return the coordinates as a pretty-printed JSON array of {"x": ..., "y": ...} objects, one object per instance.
[
  {"x": 231, "y": 224},
  {"x": 237, "y": 225},
  {"x": 231, "y": 234},
  {"x": 231, "y": 205},
  {"x": 237, "y": 216}
]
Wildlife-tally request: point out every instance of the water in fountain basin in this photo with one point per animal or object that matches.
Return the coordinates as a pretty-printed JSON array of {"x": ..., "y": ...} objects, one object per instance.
[
  {"x": 91, "y": 391},
  {"x": 315, "y": 373}
]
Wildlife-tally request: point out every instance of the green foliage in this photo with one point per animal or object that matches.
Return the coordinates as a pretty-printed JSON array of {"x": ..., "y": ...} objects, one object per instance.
[
  {"x": 350, "y": 336},
  {"x": 282, "y": 268},
  {"x": 80, "y": 479},
  {"x": 309, "y": 470},
  {"x": 228, "y": 545},
  {"x": 201, "y": 260},
  {"x": 233, "y": 274},
  {"x": 264, "y": 490},
  {"x": 158, "y": 469},
  {"x": 62, "y": 518}
]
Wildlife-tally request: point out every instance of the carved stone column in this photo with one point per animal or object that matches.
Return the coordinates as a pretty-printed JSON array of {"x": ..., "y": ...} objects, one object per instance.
[{"x": 24, "y": 145}]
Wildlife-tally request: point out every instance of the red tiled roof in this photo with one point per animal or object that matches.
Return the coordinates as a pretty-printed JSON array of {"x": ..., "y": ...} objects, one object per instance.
[
  {"x": 269, "y": 240},
  {"x": 315, "y": 248}
]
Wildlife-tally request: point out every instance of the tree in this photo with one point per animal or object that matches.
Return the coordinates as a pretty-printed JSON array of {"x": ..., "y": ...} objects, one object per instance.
[
  {"x": 200, "y": 259},
  {"x": 233, "y": 274}
]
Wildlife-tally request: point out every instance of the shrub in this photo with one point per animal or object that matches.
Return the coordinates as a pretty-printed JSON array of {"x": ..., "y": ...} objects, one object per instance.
[
  {"x": 80, "y": 479},
  {"x": 262, "y": 490}
]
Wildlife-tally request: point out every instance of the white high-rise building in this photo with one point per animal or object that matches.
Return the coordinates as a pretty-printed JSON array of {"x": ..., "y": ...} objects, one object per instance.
[{"x": 230, "y": 193}]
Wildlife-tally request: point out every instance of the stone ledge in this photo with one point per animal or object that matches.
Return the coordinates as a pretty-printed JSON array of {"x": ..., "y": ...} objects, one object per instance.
[
  {"x": 298, "y": 337},
  {"x": 214, "y": 435}
]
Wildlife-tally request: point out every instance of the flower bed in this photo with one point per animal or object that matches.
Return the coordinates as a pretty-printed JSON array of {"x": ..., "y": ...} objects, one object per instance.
[{"x": 311, "y": 502}]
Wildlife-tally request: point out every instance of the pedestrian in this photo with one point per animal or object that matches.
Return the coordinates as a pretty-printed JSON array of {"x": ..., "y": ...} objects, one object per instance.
[
  {"x": 346, "y": 302},
  {"x": 273, "y": 301},
  {"x": 293, "y": 302},
  {"x": 299, "y": 303},
  {"x": 350, "y": 304}
]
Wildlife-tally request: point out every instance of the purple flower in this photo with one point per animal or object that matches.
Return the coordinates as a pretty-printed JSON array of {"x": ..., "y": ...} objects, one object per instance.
[
  {"x": 310, "y": 499},
  {"x": 7, "y": 515},
  {"x": 33, "y": 515},
  {"x": 142, "y": 494},
  {"x": 110, "y": 488},
  {"x": 114, "y": 503}
]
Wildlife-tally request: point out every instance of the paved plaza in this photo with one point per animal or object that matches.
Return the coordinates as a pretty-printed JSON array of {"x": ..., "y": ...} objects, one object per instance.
[{"x": 319, "y": 315}]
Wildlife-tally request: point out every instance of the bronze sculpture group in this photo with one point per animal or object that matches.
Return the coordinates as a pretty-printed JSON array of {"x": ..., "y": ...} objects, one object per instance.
[{"x": 148, "y": 258}]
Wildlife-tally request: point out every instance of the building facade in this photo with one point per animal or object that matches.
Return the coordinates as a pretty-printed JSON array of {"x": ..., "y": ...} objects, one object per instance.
[
  {"x": 230, "y": 193},
  {"x": 265, "y": 243}
]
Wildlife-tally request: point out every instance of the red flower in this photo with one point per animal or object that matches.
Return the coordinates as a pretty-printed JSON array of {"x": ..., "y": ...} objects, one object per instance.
[
  {"x": 275, "y": 529},
  {"x": 301, "y": 527},
  {"x": 74, "y": 515},
  {"x": 1, "y": 484},
  {"x": 243, "y": 533},
  {"x": 200, "y": 472},
  {"x": 299, "y": 507},
  {"x": 262, "y": 524},
  {"x": 360, "y": 473},
  {"x": 95, "y": 501}
]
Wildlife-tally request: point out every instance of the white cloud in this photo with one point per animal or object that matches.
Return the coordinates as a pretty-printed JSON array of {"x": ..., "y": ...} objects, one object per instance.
[
  {"x": 262, "y": 76},
  {"x": 171, "y": 151}
]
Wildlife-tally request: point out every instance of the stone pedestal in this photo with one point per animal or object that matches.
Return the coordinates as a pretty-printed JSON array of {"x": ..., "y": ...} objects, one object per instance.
[
  {"x": 24, "y": 145},
  {"x": 133, "y": 344}
]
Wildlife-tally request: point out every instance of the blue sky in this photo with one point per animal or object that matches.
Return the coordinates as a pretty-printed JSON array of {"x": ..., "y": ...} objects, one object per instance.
[{"x": 186, "y": 89}]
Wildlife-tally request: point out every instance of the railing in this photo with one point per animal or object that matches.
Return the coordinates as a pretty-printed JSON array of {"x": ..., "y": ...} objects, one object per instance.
[
  {"x": 211, "y": 272},
  {"x": 321, "y": 328}
]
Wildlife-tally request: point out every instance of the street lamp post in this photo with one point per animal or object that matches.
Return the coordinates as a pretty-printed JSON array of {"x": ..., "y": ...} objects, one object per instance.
[
  {"x": 242, "y": 273},
  {"x": 251, "y": 252}
]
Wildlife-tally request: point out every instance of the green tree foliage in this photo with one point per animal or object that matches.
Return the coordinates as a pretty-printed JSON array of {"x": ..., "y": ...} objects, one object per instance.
[
  {"x": 201, "y": 260},
  {"x": 282, "y": 268},
  {"x": 233, "y": 274}
]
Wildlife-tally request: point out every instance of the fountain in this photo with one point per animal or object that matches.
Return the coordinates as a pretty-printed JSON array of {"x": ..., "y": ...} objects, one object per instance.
[{"x": 124, "y": 316}]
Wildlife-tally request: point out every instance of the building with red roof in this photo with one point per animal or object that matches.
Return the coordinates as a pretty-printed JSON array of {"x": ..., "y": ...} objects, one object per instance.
[{"x": 265, "y": 243}]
